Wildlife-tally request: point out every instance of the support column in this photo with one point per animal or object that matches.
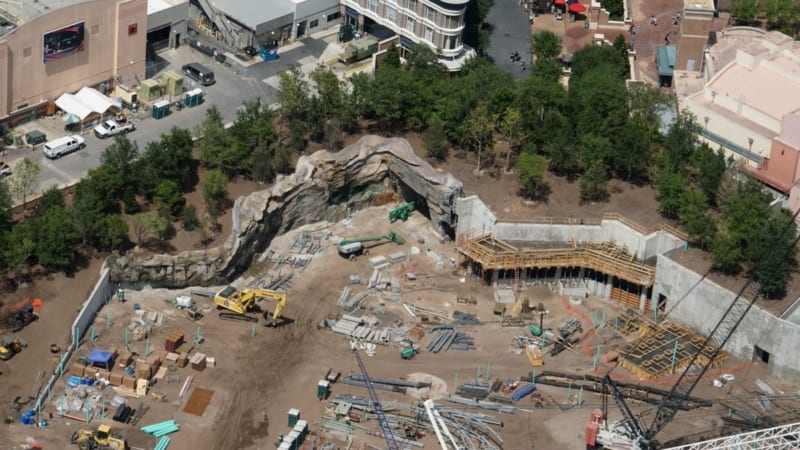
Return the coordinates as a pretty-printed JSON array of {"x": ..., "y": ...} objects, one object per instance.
[
  {"x": 609, "y": 284},
  {"x": 558, "y": 274},
  {"x": 643, "y": 299}
]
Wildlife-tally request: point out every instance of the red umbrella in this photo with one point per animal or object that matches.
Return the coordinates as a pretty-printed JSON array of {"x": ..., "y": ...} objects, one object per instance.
[
  {"x": 560, "y": 2},
  {"x": 577, "y": 8}
]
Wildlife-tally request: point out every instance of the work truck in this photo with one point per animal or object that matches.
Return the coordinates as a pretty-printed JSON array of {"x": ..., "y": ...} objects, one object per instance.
[{"x": 113, "y": 127}]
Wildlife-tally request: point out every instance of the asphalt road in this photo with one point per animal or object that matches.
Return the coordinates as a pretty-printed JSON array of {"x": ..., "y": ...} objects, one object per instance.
[
  {"x": 234, "y": 85},
  {"x": 511, "y": 33}
]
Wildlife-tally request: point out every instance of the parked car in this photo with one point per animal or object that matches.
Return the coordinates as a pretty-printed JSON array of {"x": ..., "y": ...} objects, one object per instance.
[
  {"x": 59, "y": 147},
  {"x": 199, "y": 73},
  {"x": 5, "y": 169}
]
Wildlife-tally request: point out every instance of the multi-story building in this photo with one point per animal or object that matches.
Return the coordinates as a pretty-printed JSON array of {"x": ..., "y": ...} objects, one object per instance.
[
  {"x": 436, "y": 23},
  {"x": 49, "y": 47},
  {"x": 747, "y": 102}
]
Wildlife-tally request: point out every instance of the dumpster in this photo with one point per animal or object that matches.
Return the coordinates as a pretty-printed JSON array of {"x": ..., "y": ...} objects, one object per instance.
[
  {"x": 35, "y": 137},
  {"x": 268, "y": 52}
]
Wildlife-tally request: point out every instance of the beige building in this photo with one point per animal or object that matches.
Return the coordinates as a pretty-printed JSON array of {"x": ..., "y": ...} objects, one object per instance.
[{"x": 50, "y": 47}]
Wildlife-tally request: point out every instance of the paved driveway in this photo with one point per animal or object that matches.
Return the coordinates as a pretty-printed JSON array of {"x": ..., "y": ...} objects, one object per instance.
[{"x": 511, "y": 33}]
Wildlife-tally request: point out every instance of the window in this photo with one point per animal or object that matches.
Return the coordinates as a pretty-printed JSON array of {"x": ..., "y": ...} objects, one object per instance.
[
  {"x": 429, "y": 34},
  {"x": 27, "y": 52},
  {"x": 133, "y": 29},
  {"x": 334, "y": 16},
  {"x": 410, "y": 22},
  {"x": 451, "y": 22},
  {"x": 451, "y": 42},
  {"x": 391, "y": 14},
  {"x": 313, "y": 24},
  {"x": 412, "y": 5},
  {"x": 430, "y": 14},
  {"x": 373, "y": 5}
]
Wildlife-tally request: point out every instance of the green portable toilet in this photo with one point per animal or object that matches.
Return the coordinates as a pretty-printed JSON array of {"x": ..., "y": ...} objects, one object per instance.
[
  {"x": 193, "y": 97},
  {"x": 323, "y": 389},
  {"x": 536, "y": 331},
  {"x": 160, "y": 109},
  {"x": 294, "y": 416}
]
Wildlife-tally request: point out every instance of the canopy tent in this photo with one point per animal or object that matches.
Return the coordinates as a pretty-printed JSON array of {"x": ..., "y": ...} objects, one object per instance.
[
  {"x": 101, "y": 358},
  {"x": 85, "y": 102},
  {"x": 576, "y": 8}
]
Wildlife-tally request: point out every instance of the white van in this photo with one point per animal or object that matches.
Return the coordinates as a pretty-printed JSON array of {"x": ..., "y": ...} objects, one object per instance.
[{"x": 59, "y": 147}]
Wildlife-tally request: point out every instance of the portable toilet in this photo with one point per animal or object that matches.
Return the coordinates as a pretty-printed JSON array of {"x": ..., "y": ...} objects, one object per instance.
[
  {"x": 323, "y": 389},
  {"x": 193, "y": 97},
  {"x": 160, "y": 109},
  {"x": 173, "y": 82},
  {"x": 294, "y": 416}
]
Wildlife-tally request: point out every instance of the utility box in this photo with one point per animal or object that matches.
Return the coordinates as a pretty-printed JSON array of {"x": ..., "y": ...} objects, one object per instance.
[
  {"x": 160, "y": 109},
  {"x": 173, "y": 82},
  {"x": 150, "y": 90},
  {"x": 35, "y": 137}
]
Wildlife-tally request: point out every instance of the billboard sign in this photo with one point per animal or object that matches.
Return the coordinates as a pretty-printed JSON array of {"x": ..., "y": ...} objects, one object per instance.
[{"x": 63, "y": 42}]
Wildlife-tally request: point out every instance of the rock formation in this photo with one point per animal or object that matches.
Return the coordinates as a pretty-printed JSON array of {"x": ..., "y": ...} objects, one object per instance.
[{"x": 321, "y": 188}]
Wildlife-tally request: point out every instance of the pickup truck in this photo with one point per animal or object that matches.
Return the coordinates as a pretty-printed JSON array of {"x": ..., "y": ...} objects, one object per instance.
[
  {"x": 5, "y": 169},
  {"x": 112, "y": 127}
]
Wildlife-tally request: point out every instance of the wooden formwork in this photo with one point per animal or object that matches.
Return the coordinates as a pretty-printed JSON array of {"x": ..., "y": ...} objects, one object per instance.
[
  {"x": 603, "y": 257},
  {"x": 650, "y": 356}
]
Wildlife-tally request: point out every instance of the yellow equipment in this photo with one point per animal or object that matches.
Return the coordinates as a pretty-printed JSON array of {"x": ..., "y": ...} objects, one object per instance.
[
  {"x": 100, "y": 439},
  {"x": 9, "y": 348},
  {"x": 534, "y": 355},
  {"x": 241, "y": 302}
]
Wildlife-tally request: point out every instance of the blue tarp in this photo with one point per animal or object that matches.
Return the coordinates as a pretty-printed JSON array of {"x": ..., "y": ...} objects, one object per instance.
[
  {"x": 100, "y": 358},
  {"x": 523, "y": 392}
]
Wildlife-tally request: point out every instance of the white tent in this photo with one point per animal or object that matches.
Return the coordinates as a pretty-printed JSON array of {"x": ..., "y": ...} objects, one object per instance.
[{"x": 85, "y": 102}]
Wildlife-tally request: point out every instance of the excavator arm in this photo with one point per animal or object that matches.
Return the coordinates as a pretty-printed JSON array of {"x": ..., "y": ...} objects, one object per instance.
[{"x": 280, "y": 300}]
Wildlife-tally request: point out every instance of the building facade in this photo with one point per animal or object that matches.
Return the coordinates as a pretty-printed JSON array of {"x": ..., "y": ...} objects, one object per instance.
[
  {"x": 59, "y": 46},
  {"x": 436, "y": 23}
]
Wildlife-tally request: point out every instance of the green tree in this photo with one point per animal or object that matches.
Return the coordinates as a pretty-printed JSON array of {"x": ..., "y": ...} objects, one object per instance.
[
  {"x": 168, "y": 197},
  {"x": 513, "y": 128},
  {"x": 726, "y": 254},
  {"x": 115, "y": 232},
  {"x": 19, "y": 246},
  {"x": 699, "y": 224},
  {"x": 603, "y": 58},
  {"x": 52, "y": 197},
  {"x": 670, "y": 186},
  {"x": 23, "y": 182},
  {"x": 55, "y": 239},
  {"x": 392, "y": 57},
  {"x": 120, "y": 158},
  {"x": 293, "y": 94},
  {"x": 87, "y": 212},
  {"x": 149, "y": 225},
  {"x": 546, "y": 69},
  {"x": 479, "y": 131},
  {"x": 545, "y": 45},
  {"x": 130, "y": 202},
  {"x": 189, "y": 218},
  {"x": 782, "y": 14},
  {"x": 216, "y": 142},
  {"x": 105, "y": 187},
  {"x": 6, "y": 203},
  {"x": 594, "y": 183},
  {"x": 776, "y": 248},
  {"x": 169, "y": 158},
  {"x": 681, "y": 141},
  {"x": 213, "y": 187},
  {"x": 435, "y": 138},
  {"x": 744, "y": 11},
  {"x": 530, "y": 174},
  {"x": 710, "y": 167}
]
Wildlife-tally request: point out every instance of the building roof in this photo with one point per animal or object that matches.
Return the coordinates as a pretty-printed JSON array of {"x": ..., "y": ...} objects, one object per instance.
[
  {"x": 772, "y": 86},
  {"x": 156, "y": 6},
  {"x": 26, "y": 10},
  {"x": 665, "y": 60},
  {"x": 253, "y": 13}
]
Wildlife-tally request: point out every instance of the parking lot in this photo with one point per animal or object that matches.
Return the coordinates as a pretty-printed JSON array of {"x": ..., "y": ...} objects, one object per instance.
[{"x": 235, "y": 84}]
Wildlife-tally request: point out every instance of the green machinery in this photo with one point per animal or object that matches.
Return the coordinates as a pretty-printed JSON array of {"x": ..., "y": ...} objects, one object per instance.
[
  {"x": 402, "y": 212},
  {"x": 348, "y": 247},
  {"x": 407, "y": 353}
]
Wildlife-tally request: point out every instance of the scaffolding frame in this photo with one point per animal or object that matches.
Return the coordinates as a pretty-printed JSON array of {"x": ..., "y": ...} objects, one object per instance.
[{"x": 782, "y": 437}]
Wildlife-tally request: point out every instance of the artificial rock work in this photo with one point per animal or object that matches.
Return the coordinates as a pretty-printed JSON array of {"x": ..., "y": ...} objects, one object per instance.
[{"x": 321, "y": 188}]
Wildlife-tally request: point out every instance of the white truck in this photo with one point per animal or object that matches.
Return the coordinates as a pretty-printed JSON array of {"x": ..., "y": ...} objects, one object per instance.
[{"x": 112, "y": 127}]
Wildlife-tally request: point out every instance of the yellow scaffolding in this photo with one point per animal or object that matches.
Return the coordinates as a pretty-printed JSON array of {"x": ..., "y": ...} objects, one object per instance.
[{"x": 604, "y": 257}]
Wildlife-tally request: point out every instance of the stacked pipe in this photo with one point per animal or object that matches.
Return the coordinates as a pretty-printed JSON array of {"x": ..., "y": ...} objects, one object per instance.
[
  {"x": 475, "y": 390},
  {"x": 446, "y": 338},
  {"x": 162, "y": 444},
  {"x": 161, "y": 429}
]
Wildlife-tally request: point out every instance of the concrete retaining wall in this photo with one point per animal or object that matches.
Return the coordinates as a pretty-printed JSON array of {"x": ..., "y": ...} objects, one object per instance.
[
  {"x": 705, "y": 304},
  {"x": 474, "y": 216}
]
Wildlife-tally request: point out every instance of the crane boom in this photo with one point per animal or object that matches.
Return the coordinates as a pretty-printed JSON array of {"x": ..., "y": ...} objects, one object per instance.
[
  {"x": 386, "y": 430},
  {"x": 679, "y": 394}
]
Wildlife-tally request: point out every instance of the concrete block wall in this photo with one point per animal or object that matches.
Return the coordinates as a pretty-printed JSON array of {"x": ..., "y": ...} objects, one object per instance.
[
  {"x": 706, "y": 302},
  {"x": 474, "y": 216}
]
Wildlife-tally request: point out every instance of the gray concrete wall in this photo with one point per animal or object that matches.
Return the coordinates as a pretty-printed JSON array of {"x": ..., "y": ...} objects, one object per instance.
[
  {"x": 169, "y": 16},
  {"x": 318, "y": 10},
  {"x": 706, "y": 302},
  {"x": 609, "y": 230},
  {"x": 474, "y": 216}
]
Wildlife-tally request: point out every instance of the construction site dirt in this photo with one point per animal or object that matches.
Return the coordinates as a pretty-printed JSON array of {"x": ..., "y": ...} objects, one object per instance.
[{"x": 252, "y": 375}]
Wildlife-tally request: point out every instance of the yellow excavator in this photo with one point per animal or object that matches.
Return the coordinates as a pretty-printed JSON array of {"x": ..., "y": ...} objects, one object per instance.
[
  {"x": 239, "y": 303},
  {"x": 99, "y": 439},
  {"x": 10, "y": 347}
]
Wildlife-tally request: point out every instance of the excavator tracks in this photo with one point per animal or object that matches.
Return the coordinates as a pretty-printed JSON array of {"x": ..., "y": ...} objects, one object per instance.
[{"x": 237, "y": 317}]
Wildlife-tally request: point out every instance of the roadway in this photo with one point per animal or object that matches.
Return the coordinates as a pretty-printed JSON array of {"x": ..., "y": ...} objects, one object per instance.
[{"x": 234, "y": 85}]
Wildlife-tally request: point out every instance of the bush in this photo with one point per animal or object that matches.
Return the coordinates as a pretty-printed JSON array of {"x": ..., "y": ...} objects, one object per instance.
[
  {"x": 615, "y": 8},
  {"x": 131, "y": 204},
  {"x": 189, "y": 218}
]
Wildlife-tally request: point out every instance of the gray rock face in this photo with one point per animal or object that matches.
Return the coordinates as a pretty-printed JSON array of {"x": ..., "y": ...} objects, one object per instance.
[{"x": 321, "y": 188}]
